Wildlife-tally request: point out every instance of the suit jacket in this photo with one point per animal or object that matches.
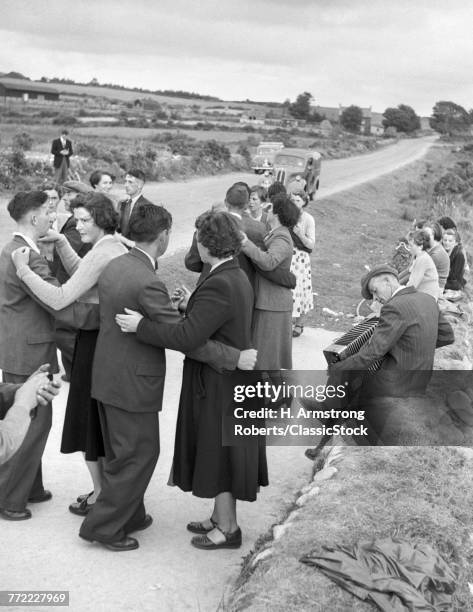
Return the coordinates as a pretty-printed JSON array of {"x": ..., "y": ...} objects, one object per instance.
[
  {"x": 256, "y": 232},
  {"x": 277, "y": 254},
  {"x": 123, "y": 222},
  {"x": 405, "y": 336},
  {"x": 26, "y": 326},
  {"x": 127, "y": 373},
  {"x": 220, "y": 308},
  {"x": 56, "y": 149}
]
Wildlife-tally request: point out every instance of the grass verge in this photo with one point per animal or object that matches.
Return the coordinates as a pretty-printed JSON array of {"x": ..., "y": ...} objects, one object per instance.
[{"x": 420, "y": 494}]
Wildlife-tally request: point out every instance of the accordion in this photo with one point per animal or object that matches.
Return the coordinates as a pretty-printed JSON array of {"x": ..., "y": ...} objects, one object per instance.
[{"x": 351, "y": 342}]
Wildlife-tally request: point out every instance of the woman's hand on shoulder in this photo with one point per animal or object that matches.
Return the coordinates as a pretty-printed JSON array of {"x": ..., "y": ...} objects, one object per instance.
[
  {"x": 128, "y": 322},
  {"x": 21, "y": 256}
]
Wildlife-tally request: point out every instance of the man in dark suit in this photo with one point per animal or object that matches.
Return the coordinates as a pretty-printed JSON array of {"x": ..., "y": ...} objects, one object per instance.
[
  {"x": 61, "y": 148},
  {"x": 236, "y": 202},
  {"x": 26, "y": 342},
  {"x": 405, "y": 339},
  {"x": 128, "y": 382},
  {"x": 134, "y": 183}
]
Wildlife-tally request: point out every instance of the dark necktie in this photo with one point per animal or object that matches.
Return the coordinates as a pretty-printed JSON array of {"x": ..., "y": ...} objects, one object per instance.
[{"x": 125, "y": 220}]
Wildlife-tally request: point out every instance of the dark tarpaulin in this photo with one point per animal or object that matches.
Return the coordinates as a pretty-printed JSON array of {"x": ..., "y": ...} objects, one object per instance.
[{"x": 393, "y": 574}]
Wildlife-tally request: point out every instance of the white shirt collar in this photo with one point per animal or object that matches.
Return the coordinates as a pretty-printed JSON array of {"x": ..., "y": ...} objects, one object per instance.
[
  {"x": 28, "y": 241},
  {"x": 219, "y": 263},
  {"x": 235, "y": 214},
  {"x": 153, "y": 261}
]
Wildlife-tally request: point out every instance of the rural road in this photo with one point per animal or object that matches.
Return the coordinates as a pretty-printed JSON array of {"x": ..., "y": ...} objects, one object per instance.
[
  {"x": 166, "y": 573},
  {"x": 188, "y": 199}
]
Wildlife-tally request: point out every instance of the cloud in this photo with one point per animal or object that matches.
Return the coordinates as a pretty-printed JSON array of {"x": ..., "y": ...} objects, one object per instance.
[{"x": 363, "y": 52}]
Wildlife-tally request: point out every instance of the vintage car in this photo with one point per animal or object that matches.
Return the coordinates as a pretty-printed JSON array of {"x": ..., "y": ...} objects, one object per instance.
[
  {"x": 298, "y": 168},
  {"x": 263, "y": 160}
]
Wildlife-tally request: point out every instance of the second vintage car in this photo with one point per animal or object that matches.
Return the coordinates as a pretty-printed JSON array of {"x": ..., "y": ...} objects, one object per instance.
[{"x": 298, "y": 166}]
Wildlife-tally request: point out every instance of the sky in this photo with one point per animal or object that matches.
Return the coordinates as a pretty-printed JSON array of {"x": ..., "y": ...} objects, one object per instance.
[{"x": 376, "y": 53}]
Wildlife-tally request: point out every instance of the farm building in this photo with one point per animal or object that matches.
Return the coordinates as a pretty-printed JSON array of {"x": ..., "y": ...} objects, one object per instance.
[{"x": 26, "y": 90}]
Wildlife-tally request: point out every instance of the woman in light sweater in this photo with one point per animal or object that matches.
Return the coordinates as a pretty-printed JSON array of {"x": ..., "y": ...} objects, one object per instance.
[
  {"x": 423, "y": 274},
  {"x": 96, "y": 223}
]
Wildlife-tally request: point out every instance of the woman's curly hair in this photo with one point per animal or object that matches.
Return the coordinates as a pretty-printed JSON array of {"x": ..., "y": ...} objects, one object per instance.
[
  {"x": 220, "y": 233},
  {"x": 288, "y": 213},
  {"x": 101, "y": 210}
]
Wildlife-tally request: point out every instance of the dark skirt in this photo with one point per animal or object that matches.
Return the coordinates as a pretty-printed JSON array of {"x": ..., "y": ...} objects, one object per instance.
[
  {"x": 201, "y": 464},
  {"x": 82, "y": 430}
]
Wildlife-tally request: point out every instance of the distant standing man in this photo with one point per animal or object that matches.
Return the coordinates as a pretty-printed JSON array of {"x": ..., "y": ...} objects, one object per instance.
[
  {"x": 26, "y": 342},
  {"x": 61, "y": 148},
  {"x": 134, "y": 183}
]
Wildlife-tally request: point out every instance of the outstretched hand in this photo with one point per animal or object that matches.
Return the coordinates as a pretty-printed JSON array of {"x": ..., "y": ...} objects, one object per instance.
[
  {"x": 128, "y": 322},
  {"x": 51, "y": 236}
]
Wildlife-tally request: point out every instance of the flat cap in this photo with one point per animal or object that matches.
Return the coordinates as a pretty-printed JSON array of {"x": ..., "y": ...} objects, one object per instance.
[
  {"x": 77, "y": 187},
  {"x": 376, "y": 271}
]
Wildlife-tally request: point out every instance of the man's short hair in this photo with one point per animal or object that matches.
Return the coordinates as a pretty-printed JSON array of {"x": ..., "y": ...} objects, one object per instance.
[
  {"x": 148, "y": 221},
  {"x": 25, "y": 201},
  {"x": 65, "y": 132},
  {"x": 237, "y": 197},
  {"x": 137, "y": 173},
  {"x": 274, "y": 189}
]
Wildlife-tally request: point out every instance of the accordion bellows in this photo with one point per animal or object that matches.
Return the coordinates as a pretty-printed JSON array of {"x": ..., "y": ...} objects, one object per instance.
[{"x": 350, "y": 343}]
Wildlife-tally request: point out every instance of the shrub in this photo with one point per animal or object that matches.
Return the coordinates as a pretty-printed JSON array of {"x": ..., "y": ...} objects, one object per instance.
[
  {"x": 64, "y": 120},
  {"x": 22, "y": 141}
]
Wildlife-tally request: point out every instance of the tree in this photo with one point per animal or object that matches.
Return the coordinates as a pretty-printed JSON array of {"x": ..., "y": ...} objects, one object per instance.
[
  {"x": 351, "y": 118},
  {"x": 300, "y": 109},
  {"x": 403, "y": 118},
  {"x": 449, "y": 118}
]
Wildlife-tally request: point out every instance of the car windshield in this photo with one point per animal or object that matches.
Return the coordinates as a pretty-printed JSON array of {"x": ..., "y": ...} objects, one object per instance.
[
  {"x": 290, "y": 160},
  {"x": 266, "y": 150}
]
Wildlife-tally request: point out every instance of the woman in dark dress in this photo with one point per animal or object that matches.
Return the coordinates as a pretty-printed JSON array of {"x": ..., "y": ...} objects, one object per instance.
[{"x": 221, "y": 309}]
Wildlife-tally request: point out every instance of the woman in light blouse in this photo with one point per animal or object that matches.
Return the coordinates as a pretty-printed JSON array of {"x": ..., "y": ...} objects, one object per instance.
[
  {"x": 423, "y": 274},
  {"x": 303, "y": 237},
  {"x": 96, "y": 221}
]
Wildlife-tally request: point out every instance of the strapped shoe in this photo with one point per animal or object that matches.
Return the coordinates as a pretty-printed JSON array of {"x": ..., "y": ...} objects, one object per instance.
[
  {"x": 203, "y": 527},
  {"x": 217, "y": 539},
  {"x": 81, "y": 508},
  {"x": 85, "y": 496}
]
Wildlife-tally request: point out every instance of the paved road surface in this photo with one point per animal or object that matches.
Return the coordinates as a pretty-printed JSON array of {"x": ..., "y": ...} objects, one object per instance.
[{"x": 186, "y": 200}]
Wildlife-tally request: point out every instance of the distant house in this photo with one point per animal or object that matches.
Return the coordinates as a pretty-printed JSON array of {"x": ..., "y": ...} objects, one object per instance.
[
  {"x": 325, "y": 127},
  {"x": 26, "y": 90}
]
